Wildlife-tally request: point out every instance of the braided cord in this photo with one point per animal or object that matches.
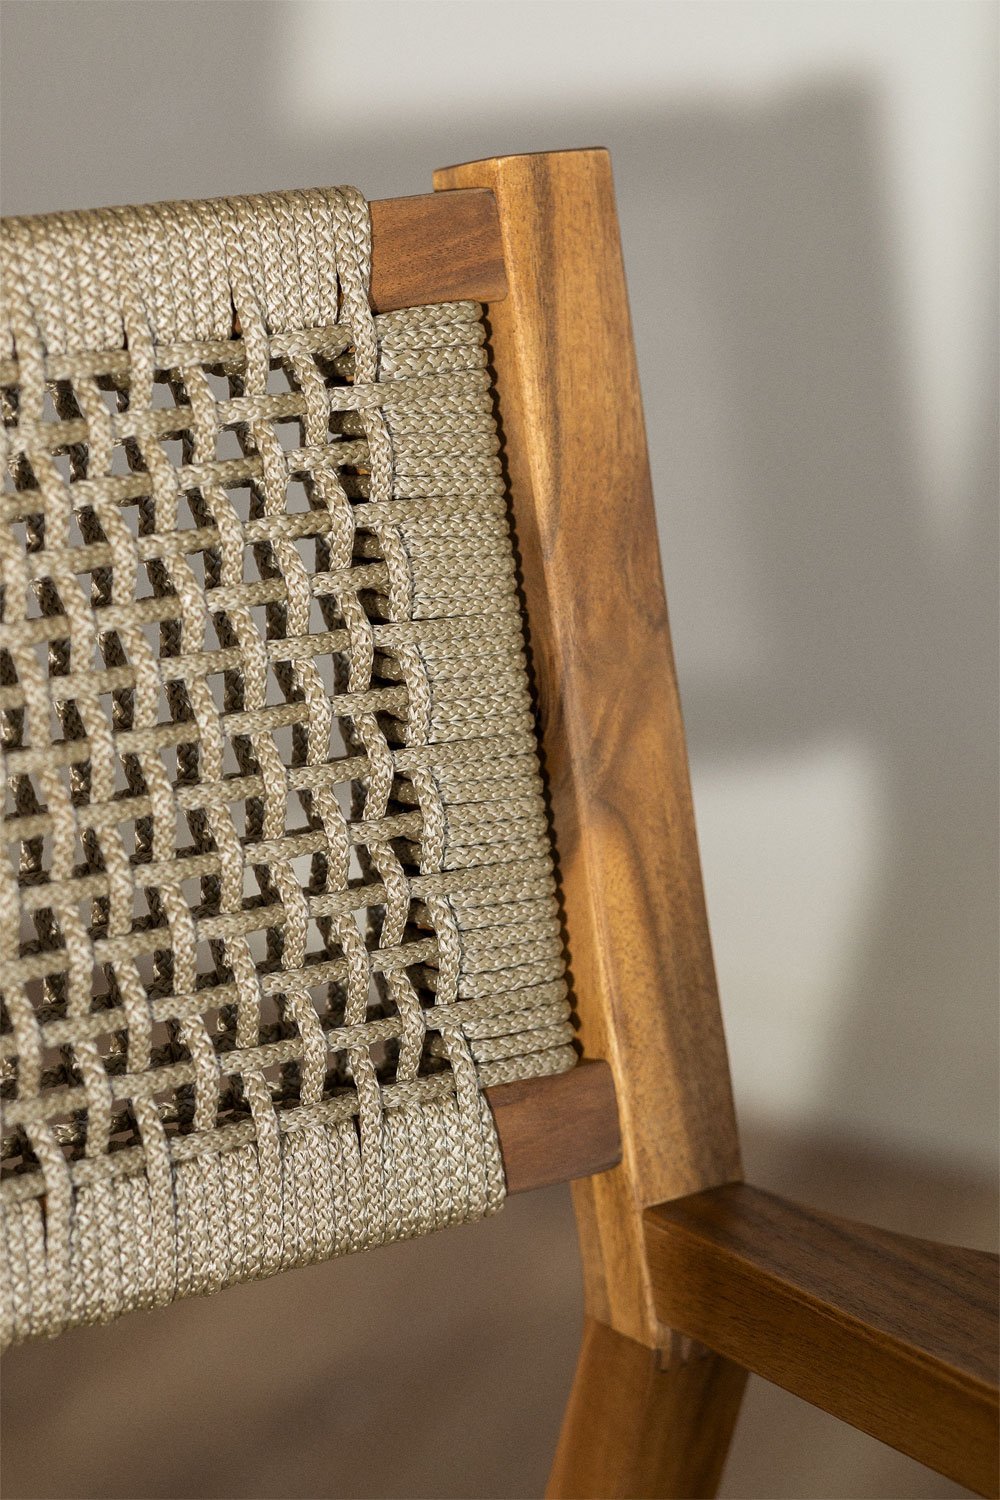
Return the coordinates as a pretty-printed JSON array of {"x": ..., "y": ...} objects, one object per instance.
[{"x": 276, "y": 897}]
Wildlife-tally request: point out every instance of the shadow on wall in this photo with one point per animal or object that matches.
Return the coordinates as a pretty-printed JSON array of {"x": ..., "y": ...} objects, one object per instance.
[
  {"x": 877, "y": 633},
  {"x": 765, "y": 303}
]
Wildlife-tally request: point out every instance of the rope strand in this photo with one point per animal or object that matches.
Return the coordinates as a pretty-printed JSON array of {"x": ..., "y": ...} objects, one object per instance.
[{"x": 276, "y": 899}]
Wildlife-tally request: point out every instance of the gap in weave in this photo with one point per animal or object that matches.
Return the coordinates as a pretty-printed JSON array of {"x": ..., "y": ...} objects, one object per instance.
[
  {"x": 120, "y": 465},
  {"x": 236, "y": 809},
  {"x": 219, "y": 632},
  {"x": 47, "y": 1005},
  {"x": 282, "y": 735},
  {"x": 316, "y": 944},
  {"x": 167, "y": 1103},
  {"x": 123, "y": 787},
  {"x": 173, "y": 445},
  {"x": 297, "y": 501},
  {"x": 433, "y": 1055},
  {"x": 228, "y": 446},
  {"x": 34, "y": 856},
  {"x": 384, "y": 1055},
  {"x": 218, "y": 382},
  {"x": 195, "y": 561},
  {"x": 76, "y": 541},
  {"x": 337, "y": 370},
  {"x": 174, "y": 759},
  {"x": 299, "y": 819},
  {"x": 112, "y": 1049},
  {"x": 104, "y": 993},
  {"x": 113, "y": 394},
  {"x": 333, "y": 667},
  {"x": 272, "y": 1023},
  {"x": 10, "y": 402},
  {"x": 192, "y": 513},
  {"x": 58, "y": 1067},
  {"x": 259, "y": 566},
  {"x": 219, "y": 1020},
  {"x": 375, "y": 602},
  {"x": 393, "y": 725},
  {"x": 258, "y": 616},
  {"x": 20, "y": 534},
  {"x": 323, "y": 610},
  {"x": 381, "y": 1005},
  {"x": 216, "y": 683},
  {"x": 40, "y": 600},
  {"x": 301, "y": 866},
  {"x": 144, "y": 962},
  {"x": 257, "y": 941},
  {"x": 14, "y": 1157},
  {"x": 233, "y": 1107},
  {"x": 190, "y": 889},
  {"x": 355, "y": 873},
  {"x": 80, "y": 863},
  {"x": 307, "y": 546},
  {"x": 285, "y": 687},
  {"x": 234, "y": 765},
  {"x": 162, "y": 395},
  {"x": 279, "y": 382},
  {"x": 63, "y": 464},
  {"x": 289, "y": 432},
  {"x": 206, "y": 964}
]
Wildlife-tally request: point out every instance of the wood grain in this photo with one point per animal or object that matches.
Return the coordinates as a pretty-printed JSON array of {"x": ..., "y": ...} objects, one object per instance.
[
  {"x": 436, "y": 249},
  {"x": 897, "y": 1336},
  {"x": 616, "y": 768},
  {"x": 684, "y": 1415},
  {"x": 555, "y": 1129},
  {"x": 613, "y": 742}
]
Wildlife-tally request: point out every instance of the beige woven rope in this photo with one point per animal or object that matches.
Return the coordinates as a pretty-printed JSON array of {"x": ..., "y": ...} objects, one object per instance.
[{"x": 276, "y": 900}]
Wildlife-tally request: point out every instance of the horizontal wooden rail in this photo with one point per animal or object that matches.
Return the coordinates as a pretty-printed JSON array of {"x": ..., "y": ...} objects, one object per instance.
[
  {"x": 555, "y": 1129},
  {"x": 896, "y": 1336},
  {"x": 439, "y": 247}
]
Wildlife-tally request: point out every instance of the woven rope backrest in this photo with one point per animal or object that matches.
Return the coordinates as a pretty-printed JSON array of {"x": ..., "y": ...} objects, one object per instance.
[{"x": 276, "y": 900}]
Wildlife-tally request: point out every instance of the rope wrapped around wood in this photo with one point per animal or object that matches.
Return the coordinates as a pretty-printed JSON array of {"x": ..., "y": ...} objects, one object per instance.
[{"x": 276, "y": 899}]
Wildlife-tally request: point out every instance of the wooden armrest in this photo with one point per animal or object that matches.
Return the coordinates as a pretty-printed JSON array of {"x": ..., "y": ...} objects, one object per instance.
[{"x": 896, "y": 1336}]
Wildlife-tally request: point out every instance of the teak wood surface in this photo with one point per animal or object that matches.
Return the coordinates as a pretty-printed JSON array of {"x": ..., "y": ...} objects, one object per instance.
[
  {"x": 881, "y": 1329},
  {"x": 616, "y": 769},
  {"x": 612, "y": 739},
  {"x": 556, "y": 1129},
  {"x": 657, "y": 1432},
  {"x": 431, "y": 249},
  {"x": 892, "y": 1334}
]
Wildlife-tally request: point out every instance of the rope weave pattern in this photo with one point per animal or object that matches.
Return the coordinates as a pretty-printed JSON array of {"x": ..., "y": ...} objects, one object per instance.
[{"x": 276, "y": 900}]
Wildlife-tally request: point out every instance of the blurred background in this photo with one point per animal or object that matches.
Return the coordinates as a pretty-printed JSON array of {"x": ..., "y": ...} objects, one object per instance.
[{"x": 807, "y": 194}]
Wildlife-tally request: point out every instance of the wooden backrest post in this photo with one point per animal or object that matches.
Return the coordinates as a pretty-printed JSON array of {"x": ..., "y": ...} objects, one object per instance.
[{"x": 613, "y": 742}]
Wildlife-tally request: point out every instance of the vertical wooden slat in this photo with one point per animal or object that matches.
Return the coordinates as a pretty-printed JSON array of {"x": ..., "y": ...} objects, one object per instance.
[
  {"x": 616, "y": 768},
  {"x": 613, "y": 741}
]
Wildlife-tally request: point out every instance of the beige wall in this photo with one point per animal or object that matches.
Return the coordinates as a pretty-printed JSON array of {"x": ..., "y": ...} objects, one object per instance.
[{"x": 808, "y": 206}]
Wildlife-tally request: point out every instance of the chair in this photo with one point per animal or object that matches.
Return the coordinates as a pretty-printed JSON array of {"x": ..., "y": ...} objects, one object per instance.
[{"x": 692, "y": 1278}]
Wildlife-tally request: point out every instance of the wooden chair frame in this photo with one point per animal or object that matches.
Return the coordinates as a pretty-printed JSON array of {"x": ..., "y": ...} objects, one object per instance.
[{"x": 691, "y": 1277}]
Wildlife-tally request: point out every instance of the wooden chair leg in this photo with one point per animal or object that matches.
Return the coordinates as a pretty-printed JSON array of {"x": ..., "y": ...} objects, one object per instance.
[{"x": 639, "y": 1426}]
